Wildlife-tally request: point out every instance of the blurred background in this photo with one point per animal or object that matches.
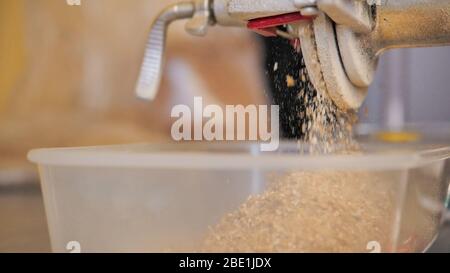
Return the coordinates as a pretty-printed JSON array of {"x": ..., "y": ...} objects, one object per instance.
[{"x": 67, "y": 76}]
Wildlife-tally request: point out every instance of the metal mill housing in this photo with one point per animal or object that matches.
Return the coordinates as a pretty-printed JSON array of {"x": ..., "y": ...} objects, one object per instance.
[{"x": 341, "y": 40}]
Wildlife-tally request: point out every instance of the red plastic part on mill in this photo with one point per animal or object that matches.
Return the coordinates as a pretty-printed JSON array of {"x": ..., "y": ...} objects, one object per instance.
[{"x": 267, "y": 26}]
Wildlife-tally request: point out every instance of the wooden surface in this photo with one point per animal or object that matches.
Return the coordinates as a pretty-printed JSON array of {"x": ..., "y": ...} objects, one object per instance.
[{"x": 23, "y": 227}]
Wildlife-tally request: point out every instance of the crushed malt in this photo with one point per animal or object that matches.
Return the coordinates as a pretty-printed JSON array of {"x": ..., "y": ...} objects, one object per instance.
[{"x": 310, "y": 212}]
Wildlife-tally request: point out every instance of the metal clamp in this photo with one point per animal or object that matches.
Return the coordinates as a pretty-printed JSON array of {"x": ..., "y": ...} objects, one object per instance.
[{"x": 198, "y": 25}]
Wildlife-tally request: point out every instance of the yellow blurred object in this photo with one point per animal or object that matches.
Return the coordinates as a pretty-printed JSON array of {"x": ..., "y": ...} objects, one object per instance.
[
  {"x": 11, "y": 46},
  {"x": 398, "y": 137}
]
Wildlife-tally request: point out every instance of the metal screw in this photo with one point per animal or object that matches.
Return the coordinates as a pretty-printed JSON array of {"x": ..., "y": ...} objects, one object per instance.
[
  {"x": 307, "y": 7},
  {"x": 309, "y": 11}
]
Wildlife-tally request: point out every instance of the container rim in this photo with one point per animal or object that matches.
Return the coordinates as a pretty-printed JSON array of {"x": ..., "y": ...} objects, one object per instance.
[
  {"x": 152, "y": 156},
  {"x": 434, "y": 145}
]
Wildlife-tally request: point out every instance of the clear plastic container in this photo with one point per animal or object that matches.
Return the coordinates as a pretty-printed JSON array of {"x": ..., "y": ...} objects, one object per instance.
[{"x": 230, "y": 197}]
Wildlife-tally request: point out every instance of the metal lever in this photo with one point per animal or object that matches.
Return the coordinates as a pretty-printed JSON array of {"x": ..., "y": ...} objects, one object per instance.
[
  {"x": 150, "y": 76},
  {"x": 151, "y": 69}
]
